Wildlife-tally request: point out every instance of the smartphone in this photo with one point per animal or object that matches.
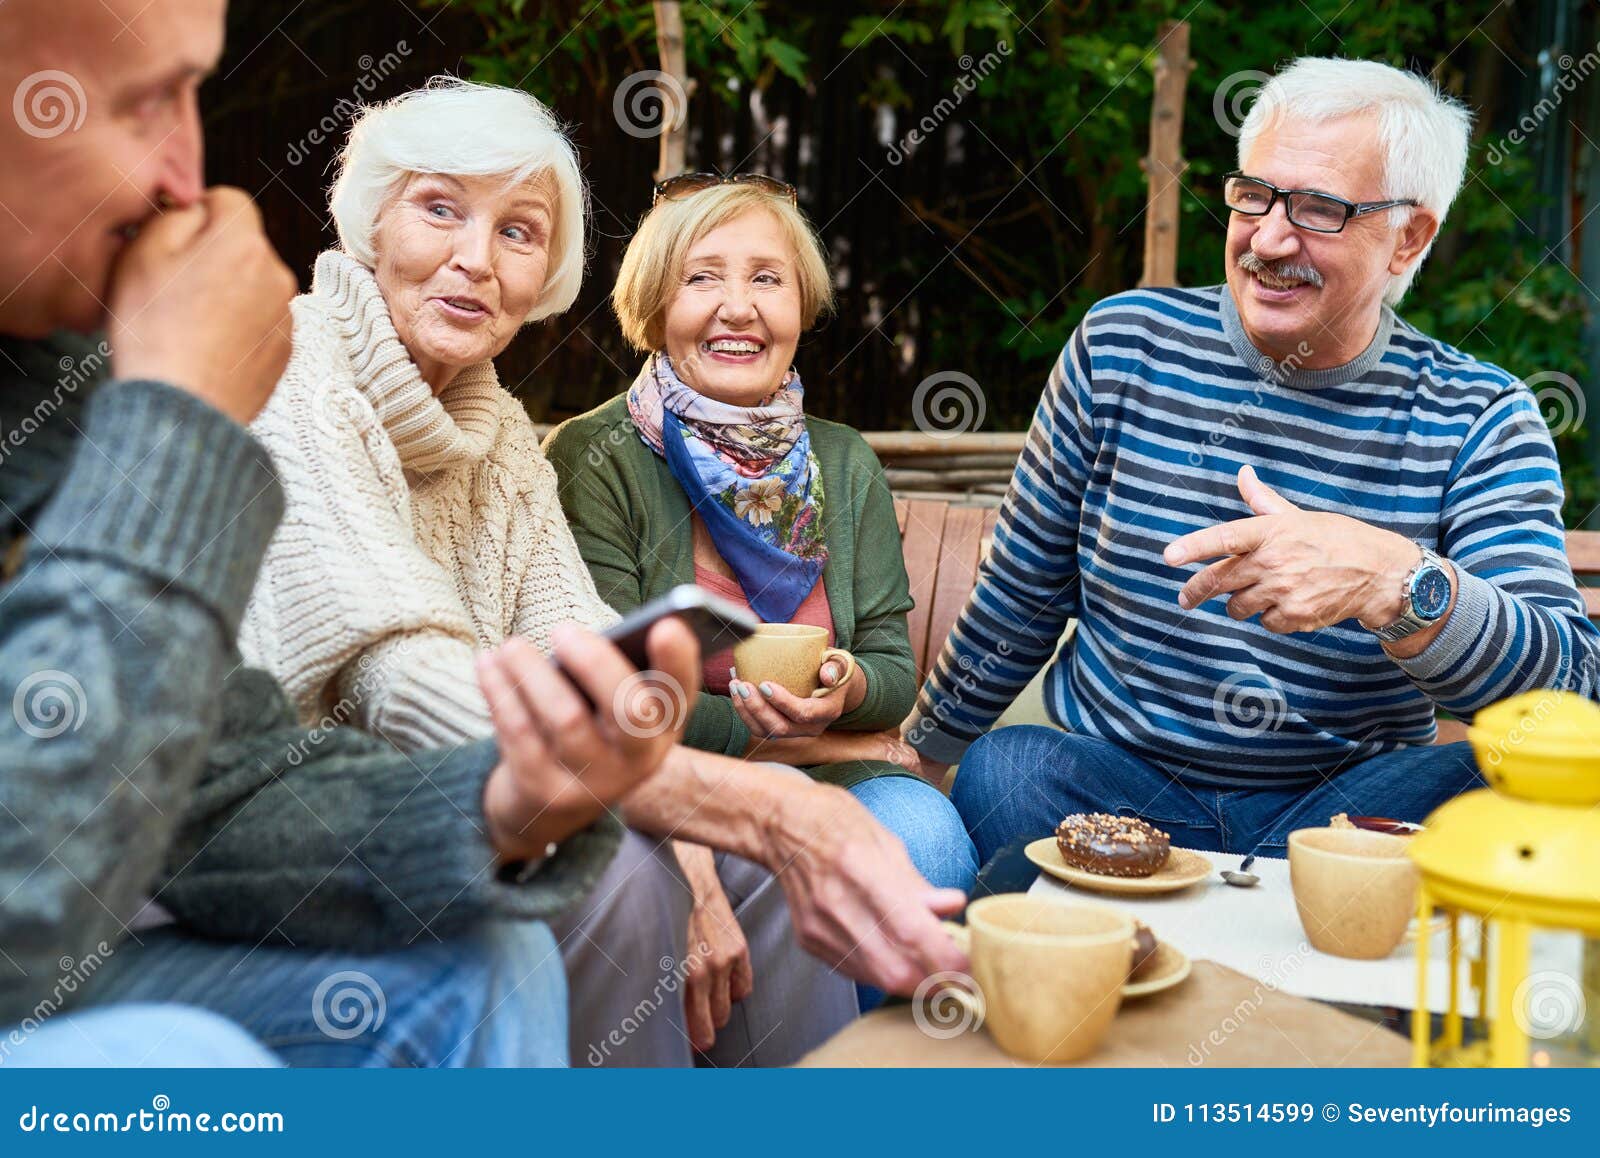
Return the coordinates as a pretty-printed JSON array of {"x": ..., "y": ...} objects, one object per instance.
[{"x": 716, "y": 623}]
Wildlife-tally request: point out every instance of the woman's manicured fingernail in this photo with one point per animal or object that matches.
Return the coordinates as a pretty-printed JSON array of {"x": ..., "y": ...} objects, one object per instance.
[
  {"x": 733, "y": 673},
  {"x": 766, "y": 689},
  {"x": 740, "y": 689}
]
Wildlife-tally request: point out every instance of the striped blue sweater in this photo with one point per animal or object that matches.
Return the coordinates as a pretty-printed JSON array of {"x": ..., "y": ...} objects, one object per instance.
[{"x": 1149, "y": 413}]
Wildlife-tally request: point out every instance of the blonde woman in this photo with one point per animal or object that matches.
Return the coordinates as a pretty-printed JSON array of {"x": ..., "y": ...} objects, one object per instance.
[{"x": 707, "y": 470}]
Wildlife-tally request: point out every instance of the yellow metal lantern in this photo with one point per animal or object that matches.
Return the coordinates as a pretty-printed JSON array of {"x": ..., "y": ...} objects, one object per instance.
[{"x": 1515, "y": 870}]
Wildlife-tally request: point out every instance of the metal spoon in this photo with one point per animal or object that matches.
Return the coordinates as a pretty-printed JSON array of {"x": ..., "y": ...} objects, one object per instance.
[{"x": 1243, "y": 878}]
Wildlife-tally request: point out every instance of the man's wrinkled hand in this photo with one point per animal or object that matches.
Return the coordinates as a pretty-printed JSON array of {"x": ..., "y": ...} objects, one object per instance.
[{"x": 1298, "y": 570}]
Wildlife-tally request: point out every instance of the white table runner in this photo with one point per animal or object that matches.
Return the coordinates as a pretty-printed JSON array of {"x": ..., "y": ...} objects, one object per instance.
[{"x": 1257, "y": 932}]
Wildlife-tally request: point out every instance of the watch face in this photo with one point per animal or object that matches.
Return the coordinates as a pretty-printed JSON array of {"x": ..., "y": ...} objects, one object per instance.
[{"x": 1430, "y": 592}]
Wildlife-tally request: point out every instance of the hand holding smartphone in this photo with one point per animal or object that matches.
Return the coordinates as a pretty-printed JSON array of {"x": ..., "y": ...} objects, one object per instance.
[{"x": 716, "y": 623}]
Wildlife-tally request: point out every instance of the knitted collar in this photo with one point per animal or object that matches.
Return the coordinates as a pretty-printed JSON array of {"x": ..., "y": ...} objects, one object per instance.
[
  {"x": 1288, "y": 372},
  {"x": 458, "y": 426}
]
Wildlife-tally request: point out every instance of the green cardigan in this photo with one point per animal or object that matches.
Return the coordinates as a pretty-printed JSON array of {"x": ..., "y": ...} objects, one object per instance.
[{"x": 632, "y": 524}]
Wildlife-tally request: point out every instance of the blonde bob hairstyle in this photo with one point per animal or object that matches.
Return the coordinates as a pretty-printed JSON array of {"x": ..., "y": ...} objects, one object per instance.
[
  {"x": 652, "y": 267},
  {"x": 455, "y": 128}
]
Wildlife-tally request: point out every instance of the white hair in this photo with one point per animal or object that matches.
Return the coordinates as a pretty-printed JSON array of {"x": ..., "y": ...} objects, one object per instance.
[
  {"x": 1423, "y": 132},
  {"x": 457, "y": 128}
]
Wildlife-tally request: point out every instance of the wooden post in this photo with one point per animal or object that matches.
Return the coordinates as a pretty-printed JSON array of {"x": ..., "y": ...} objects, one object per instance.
[
  {"x": 1165, "y": 164},
  {"x": 669, "y": 44}
]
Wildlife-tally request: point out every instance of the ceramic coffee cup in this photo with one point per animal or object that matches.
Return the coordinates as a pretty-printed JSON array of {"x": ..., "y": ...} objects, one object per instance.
[
  {"x": 790, "y": 655},
  {"x": 1355, "y": 890},
  {"x": 1047, "y": 977}
]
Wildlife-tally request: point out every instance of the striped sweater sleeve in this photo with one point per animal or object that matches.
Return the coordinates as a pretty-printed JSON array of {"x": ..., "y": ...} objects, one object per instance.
[
  {"x": 1027, "y": 589},
  {"x": 1518, "y": 623}
]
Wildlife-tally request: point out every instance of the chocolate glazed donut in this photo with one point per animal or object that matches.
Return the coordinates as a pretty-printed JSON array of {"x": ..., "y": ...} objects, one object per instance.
[
  {"x": 1144, "y": 951},
  {"x": 1112, "y": 846}
]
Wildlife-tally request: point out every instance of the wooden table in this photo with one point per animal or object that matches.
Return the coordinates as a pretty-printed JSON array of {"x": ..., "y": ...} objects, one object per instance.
[{"x": 1217, "y": 1017}]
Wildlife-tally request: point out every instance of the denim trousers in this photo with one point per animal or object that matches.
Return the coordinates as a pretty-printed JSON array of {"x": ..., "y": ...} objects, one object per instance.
[
  {"x": 931, "y": 829},
  {"x": 133, "y": 1036},
  {"x": 1018, "y": 782},
  {"x": 927, "y": 823},
  {"x": 494, "y": 997}
]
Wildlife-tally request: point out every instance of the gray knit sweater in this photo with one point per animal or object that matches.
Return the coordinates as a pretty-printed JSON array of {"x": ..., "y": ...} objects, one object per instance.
[{"x": 140, "y": 758}]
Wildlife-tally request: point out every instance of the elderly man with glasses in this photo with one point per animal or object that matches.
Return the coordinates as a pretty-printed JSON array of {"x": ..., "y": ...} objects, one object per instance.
[{"x": 1290, "y": 525}]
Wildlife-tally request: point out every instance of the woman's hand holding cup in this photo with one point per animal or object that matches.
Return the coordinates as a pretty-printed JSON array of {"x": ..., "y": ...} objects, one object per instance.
[{"x": 774, "y": 712}]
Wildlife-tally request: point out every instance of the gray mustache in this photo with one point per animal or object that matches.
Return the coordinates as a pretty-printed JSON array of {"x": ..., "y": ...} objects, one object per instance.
[{"x": 1282, "y": 270}]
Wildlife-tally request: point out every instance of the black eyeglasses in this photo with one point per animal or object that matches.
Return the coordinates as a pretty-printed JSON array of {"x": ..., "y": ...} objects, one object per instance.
[
  {"x": 1318, "y": 212},
  {"x": 688, "y": 184}
]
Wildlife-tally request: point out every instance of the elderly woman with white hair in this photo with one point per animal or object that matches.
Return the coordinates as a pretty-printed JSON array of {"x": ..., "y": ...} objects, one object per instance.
[{"x": 423, "y": 524}]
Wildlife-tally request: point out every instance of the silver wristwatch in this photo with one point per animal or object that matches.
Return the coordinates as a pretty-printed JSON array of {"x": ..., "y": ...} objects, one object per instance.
[{"x": 1424, "y": 598}]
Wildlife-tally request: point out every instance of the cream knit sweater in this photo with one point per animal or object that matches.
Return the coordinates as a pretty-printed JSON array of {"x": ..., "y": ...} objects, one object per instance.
[{"x": 417, "y": 529}]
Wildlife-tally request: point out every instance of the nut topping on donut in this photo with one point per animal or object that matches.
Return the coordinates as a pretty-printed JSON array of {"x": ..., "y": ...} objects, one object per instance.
[{"x": 1113, "y": 846}]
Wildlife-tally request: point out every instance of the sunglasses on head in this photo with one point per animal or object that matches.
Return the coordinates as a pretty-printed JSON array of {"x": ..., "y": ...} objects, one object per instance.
[{"x": 688, "y": 184}]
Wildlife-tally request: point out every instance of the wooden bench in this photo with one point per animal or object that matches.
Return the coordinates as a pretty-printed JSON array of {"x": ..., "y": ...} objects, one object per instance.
[{"x": 944, "y": 543}]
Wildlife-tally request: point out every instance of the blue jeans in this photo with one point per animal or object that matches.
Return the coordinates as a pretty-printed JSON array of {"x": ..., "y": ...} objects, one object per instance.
[
  {"x": 495, "y": 997},
  {"x": 929, "y": 825},
  {"x": 133, "y": 1037},
  {"x": 1020, "y": 781},
  {"x": 931, "y": 829}
]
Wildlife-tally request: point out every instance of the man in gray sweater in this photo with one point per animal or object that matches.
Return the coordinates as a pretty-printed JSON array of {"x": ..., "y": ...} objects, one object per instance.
[{"x": 378, "y": 907}]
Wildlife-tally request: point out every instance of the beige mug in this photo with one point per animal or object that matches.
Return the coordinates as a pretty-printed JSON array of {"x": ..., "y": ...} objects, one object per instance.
[
  {"x": 790, "y": 655},
  {"x": 1047, "y": 978},
  {"x": 1355, "y": 890}
]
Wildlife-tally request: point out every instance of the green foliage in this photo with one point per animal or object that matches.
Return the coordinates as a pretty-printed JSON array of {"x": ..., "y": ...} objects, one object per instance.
[
  {"x": 1068, "y": 115},
  {"x": 551, "y": 49}
]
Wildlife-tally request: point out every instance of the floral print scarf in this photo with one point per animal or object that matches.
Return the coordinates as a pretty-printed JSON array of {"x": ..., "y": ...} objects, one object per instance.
[{"x": 751, "y": 475}]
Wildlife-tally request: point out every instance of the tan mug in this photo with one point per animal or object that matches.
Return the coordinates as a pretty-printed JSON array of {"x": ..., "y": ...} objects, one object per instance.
[
  {"x": 1355, "y": 890},
  {"x": 1047, "y": 978},
  {"x": 790, "y": 655}
]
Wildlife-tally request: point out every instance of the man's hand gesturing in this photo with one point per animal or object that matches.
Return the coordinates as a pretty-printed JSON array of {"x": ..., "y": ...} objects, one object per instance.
[{"x": 1299, "y": 570}]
